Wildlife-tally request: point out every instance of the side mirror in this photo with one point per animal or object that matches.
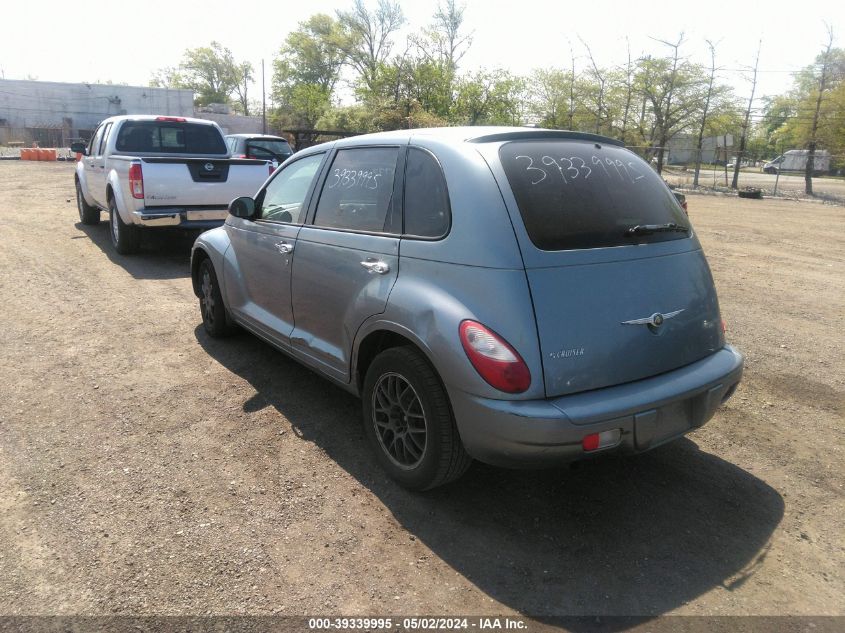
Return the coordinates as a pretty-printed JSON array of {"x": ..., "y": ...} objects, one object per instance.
[
  {"x": 79, "y": 148},
  {"x": 243, "y": 207}
]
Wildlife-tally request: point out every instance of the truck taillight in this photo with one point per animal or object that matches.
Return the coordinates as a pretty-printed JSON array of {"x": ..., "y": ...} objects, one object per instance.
[
  {"x": 136, "y": 180},
  {"x": 272, "y": 168},
  {"x": 171, "y": 119}
]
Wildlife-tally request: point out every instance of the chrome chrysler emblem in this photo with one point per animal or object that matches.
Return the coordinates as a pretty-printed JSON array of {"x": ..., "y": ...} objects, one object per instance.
[
  {"x": 209, "y": 167},
  {"x": 655, "y": 320}
]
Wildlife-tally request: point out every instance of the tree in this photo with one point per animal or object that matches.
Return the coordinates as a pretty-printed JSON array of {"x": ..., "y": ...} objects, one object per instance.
[
  {"x": 244, "y": 76},
  {"x": 744, "y": 136},
  {"x": 490, "y": 98},
  {"x": 705, "y": 112},
  {"x": 825, "y": 61},
  {"x": 307, "y": 69},
  {"x": 441, "y": 46},
  {"x": 211, "y": 72},
  {"x": 809, "y": 116},
  {"x": 658, "y": 83},
  {"x": 366, "y": 43},
  {"x": 598, "y": 79}
]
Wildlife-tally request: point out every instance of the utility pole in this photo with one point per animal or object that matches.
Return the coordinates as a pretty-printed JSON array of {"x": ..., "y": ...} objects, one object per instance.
[{"x": 263, "y": 102}]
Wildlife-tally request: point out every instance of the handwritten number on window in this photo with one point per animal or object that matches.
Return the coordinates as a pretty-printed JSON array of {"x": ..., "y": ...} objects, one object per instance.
[{"x": 530, "y": 167}]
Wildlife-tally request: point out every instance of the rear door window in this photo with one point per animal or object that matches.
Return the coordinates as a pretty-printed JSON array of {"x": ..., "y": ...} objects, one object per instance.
[
  {"x": 358, "y": 192},
  {"x": 426, "y": 198},
  {"x": 170, "y": 137},
  {"x": 576, "y": 195}
]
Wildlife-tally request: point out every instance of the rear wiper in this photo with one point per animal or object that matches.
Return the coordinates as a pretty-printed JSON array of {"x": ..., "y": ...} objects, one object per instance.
[{"x": 645, "y": 229}]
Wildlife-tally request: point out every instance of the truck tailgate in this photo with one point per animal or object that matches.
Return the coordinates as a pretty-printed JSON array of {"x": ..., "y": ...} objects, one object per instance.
[{"x": 174, "y": 182}]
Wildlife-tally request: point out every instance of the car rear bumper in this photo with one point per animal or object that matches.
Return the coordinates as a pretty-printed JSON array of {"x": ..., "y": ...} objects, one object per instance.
[
  {"x": 180, "y": 217},
  {"x": 648, "y": 413}
]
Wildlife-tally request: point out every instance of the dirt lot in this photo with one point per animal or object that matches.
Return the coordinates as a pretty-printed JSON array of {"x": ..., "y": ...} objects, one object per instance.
[{"x": 146, "y": 469}]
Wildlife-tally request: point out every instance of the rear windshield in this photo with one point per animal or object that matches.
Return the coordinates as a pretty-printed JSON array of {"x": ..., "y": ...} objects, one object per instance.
[
  {"x": 574, "y": 194},
  {"x": 258, "y": 148},
  {"x": 170, "y": 137}
]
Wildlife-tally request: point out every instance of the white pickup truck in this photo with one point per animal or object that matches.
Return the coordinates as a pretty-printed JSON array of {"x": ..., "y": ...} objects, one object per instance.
[{"x": 151, "y": 171}]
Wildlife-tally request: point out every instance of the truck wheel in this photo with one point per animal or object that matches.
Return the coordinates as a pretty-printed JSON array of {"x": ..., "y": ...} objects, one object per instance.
[
  {"x": 408, "y": 421},
  {"x": 125, "y": 238},
  {"x": 87, "y": 214},
  {"x": 211, "y": 302}
]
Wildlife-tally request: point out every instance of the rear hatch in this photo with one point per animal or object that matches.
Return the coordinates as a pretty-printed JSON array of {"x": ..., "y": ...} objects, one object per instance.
[{"x": 620, "y": 286}]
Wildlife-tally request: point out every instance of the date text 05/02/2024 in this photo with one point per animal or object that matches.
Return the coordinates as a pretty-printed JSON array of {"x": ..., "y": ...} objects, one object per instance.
[{"x": 417, "y": 624}]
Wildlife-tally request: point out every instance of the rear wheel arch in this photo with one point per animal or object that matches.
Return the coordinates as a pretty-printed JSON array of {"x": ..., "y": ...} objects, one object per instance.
[{"x": 377, "y": 341}]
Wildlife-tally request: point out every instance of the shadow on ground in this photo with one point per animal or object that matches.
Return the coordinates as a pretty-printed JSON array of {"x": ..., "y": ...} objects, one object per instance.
[
  {"x": 635, "y": 536},
  {"x": 165, "y": 254}
]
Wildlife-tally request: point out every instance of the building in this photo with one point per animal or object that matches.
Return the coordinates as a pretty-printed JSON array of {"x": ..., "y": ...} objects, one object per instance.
[{"x": 52, "y": 113}]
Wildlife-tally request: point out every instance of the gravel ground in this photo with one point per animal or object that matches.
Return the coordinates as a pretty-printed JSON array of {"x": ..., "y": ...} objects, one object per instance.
[{"x": 146, "y": 469}]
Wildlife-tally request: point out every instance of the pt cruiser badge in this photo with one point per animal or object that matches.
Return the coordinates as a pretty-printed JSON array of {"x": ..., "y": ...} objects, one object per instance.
[{"x": 655, "y": 320}]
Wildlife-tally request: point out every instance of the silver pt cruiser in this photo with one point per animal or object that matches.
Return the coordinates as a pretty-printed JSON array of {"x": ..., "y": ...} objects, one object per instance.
[{"x": 522, "y": 297}]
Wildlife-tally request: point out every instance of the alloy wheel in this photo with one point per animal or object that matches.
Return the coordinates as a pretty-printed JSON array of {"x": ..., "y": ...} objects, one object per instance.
[{"x": 399, "y": 420}]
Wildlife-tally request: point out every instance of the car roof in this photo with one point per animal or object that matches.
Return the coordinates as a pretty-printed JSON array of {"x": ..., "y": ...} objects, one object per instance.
[
  {"x": 471, "y": 134},
  {"x": 267, "y": 136}
]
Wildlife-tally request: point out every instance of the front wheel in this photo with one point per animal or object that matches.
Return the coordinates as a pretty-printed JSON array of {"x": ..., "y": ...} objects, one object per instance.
[
  {"x": 125, "y": 238},
  {"x": 87, "y": 214},
  {"x": 211, "y": 302},
  {"x": 409, "y": 422}
]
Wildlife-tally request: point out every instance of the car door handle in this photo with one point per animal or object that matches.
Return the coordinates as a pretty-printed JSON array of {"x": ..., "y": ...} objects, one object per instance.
[
  {"x": 374, "y": 266},
  {"x": 284, "y": 248}
]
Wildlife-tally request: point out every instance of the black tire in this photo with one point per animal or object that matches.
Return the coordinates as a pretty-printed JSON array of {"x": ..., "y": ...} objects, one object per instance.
[
  {"x": 387, "y": 421},
  {"x": 214, "y": 317},
  {"x": 87, "y": 214},
  {"x": 126, "y": 238}
]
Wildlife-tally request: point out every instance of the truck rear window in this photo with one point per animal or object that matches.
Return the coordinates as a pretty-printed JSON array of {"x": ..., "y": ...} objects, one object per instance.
[
  {"x": 170, "y": 137},
  {"x": 576, "y": 194}
]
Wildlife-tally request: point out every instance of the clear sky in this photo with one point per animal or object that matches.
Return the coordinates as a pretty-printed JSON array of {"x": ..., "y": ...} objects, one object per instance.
[{"x": 81, "y": 40}]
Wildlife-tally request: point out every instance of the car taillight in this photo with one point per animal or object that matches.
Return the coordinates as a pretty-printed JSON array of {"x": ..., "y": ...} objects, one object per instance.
[
  {"x": 684, "y": 207},
  {"x": 272, "y": 169},
  {"x": 136, "y": 180},
  {"x": 241, "y": 156},
  {"x": 494, "y": 359}
]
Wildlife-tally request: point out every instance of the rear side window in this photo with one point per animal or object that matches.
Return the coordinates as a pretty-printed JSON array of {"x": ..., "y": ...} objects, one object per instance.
[
  {"x": 575, "y": 195},
  {"x": 426, "y": 198},
  {"x": 358, "y": 192},
  {"x": 172, "y": 137}
]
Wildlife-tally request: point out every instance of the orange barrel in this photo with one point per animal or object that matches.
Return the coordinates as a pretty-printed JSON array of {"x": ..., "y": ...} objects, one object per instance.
[
  {"x": 43, "y": 154},
  {"x": 26, "y": 153},
  {"x": 78, "y": 156},
  {"x": 52, "y": 155}
]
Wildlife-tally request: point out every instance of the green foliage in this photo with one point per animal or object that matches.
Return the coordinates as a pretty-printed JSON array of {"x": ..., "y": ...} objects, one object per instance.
[
  {"x": 306, "y": 71},
  {"x": 788, "y": 119},
  {"x": 212, "y": 73}
]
